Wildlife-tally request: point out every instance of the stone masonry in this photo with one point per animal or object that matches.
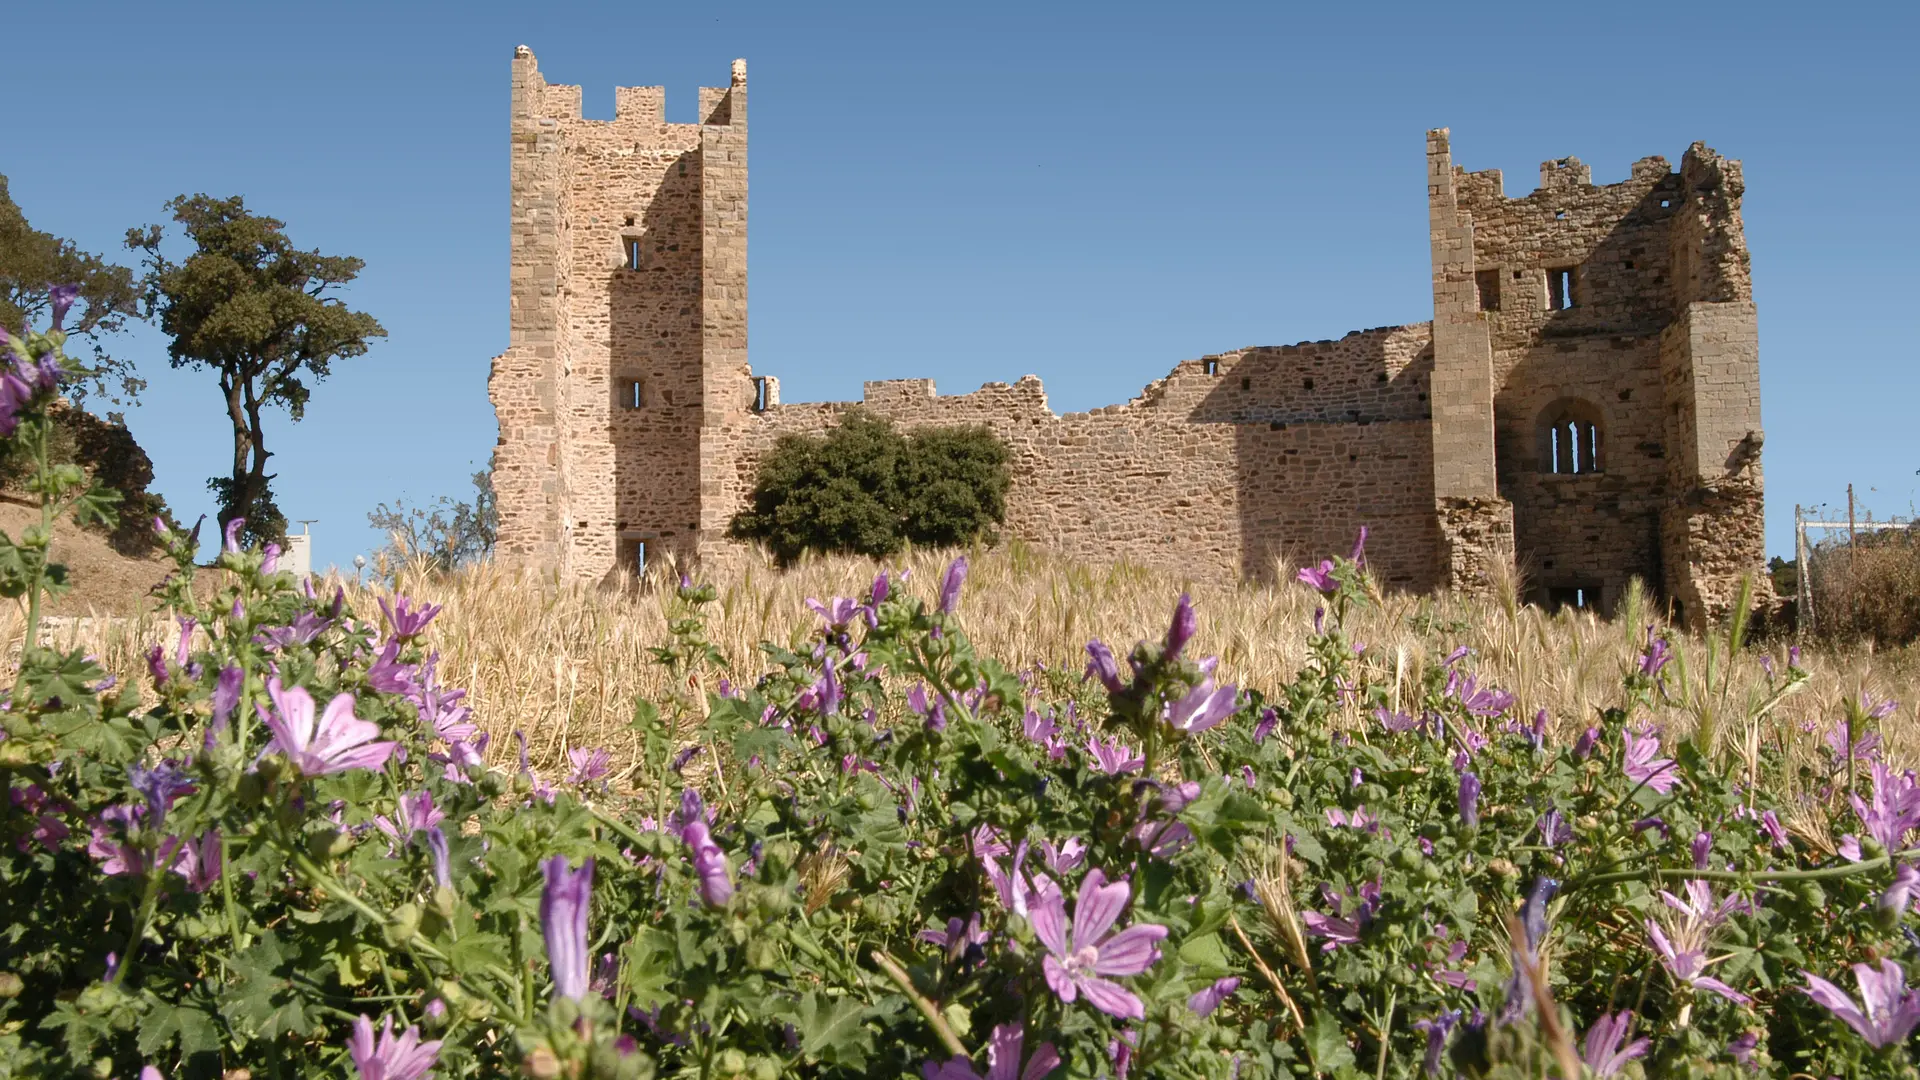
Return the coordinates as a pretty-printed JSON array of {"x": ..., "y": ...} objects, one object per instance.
[{"x": 1585, "y": 401}]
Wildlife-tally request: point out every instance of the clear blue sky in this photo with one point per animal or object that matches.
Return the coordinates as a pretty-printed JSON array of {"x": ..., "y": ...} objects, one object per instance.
[{"x": 974, "y": 192}]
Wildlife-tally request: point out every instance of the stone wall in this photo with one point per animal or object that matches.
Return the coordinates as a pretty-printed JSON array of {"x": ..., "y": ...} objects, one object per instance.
[
  {"x": 1202, "y": 475},
  {"x": 631, "y": 425}
]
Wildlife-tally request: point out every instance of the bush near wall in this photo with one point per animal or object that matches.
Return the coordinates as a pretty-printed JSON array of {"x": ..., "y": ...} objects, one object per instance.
[{"x": 865, "y": 488}]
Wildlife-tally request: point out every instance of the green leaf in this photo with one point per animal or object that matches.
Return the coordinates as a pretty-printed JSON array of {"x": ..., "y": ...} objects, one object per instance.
[
  {"x": 193, "y": 1027},
  {"x": 1327, "y": 1042},
  {"x": 475, "y": 951},
  {"x": 765, "y": 743},
  {"x": 53, "y": 677},
  {"x": 1207, "y": 954},
  {"x": 833, "y": 1032}
]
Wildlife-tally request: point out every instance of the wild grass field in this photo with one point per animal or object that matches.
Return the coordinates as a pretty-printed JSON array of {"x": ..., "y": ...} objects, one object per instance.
[{"x": 566, "y": 662}]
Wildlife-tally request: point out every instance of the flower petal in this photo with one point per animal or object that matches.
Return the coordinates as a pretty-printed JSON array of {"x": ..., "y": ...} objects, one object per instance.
[
  {"x": 1098, "y": 905},
  {"x": 1048, "y": 914},
  {"x": 1058, "y": 979},
  {"x": 1112, "y": 998},
  {"x": 1045, "y": 1059},
  {"x": 1131, "y": 951}
]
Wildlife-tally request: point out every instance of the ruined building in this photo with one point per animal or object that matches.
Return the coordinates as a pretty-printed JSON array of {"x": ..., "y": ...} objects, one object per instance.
[{"x": 1586, "y": 399}]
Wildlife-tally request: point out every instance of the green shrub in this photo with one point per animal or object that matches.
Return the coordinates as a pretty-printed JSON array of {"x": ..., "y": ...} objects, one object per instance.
[{"x": 868, "y": 489}]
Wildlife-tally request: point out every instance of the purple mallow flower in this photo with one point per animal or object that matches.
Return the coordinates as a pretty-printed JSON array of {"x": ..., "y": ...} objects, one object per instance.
[
  {"x": 442, "y": 867},
  {"x": 388, "y": 675},
  {"x": 1554, "y": 829},
  {"x": 1397, "y": 722},
  {"x": 1004, "y": 1049},
  {"x": 1113, "y": 757},
  {"x": 1101, "y": 665},
  {"x": 1888, "y": 1011},
  {"x": 950, "y": 585},
  {"x": 1656, "y": 656},
  {"x": 388, "y": 1058},
  {"x": 1642, "y": 763},
  {"x": 709, "y": 864},
  {"x": 1469, "y": 796},
  {"x": 1018, "y": 890},
  {"x": 1319, "y": 578},
  {"x": 1209, "y": 999},
  {"x": 1269, "y": 719},
  {"x": 339, "y": 742},
  {"x": 1485, "y": 702},
  {"x": 1202, "y": 707},
  {"x": 1770, "y": 824},
  {"x": 1876, "y": 708},
  {"x": 1685, "y": 957},
  {"x": 932, "y": 707},
  {"x": 1702, "y": 849},
  {"x": 1900, "y": 894},
  {"x": 1742, "y": 1046},
  {"x": 406, "y": 619},
  {"x": 1436, "y": 1030},
  {"x": 1343, "y": 927},
  {"x": 1360, "y": 819},
  {"x": 1180, "y": 631},
  {"x": 1082, "y": 961},
  {"x": 1894, "y": 810},
  {"x": 589, "y": 764},
  {"x": 301, "y": 631},
  {"x": 62, "y": 298},
  {"x": 958, "y": 935},
  {"x": 200, "y": 861},
  {"x": 1866, "y": 747},
  {"x": 1700, "y": 907},
  {"x": 563, "y": 919},
  {"x": 836, "y": 613},
  {"x": 159, "y": 786},
  {"x": 1584, "y": 746},
  {"x": 1602, "y": 1051}
]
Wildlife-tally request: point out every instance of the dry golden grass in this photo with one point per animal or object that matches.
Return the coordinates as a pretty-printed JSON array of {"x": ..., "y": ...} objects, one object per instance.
[{"x": 566, "y": 662}]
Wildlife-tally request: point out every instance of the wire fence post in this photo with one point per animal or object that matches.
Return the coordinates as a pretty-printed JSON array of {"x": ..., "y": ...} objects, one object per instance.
[{"x": 1803, "y": 583}]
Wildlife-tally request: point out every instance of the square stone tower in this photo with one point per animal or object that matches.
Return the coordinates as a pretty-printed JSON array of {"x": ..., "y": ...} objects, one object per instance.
[
  {"x": 1596, "y": 381},
  {"x": 627, "y": 351}
]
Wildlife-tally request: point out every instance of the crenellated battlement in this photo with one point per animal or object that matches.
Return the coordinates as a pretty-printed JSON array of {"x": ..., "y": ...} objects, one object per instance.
[{"x": 633, "y": 106}]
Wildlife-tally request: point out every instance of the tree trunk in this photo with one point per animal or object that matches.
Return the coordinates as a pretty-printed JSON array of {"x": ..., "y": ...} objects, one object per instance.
[{"x": 248, "y": 481}]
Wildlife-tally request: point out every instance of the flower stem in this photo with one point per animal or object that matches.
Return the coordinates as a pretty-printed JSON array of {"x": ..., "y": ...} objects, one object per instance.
[
  {"x": 1740, "y": 876},
  {"x": 147, "y": 901},
  {"x": 1386, "y": 1033},
  {"x": 900, "y": 979}
]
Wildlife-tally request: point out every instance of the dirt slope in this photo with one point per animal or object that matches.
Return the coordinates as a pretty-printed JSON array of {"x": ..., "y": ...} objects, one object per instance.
[{"x": 105, "y": 582}]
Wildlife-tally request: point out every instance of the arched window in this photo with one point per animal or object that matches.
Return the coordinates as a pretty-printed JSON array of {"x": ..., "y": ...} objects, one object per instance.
[{"x": 1571, "y": 438}]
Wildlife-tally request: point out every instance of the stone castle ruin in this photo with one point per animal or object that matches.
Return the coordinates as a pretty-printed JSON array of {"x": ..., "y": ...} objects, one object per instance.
[{"x": 1586, "y": 399}]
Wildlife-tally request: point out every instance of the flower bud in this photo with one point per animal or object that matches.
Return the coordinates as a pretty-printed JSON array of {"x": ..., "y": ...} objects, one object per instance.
[
  {"x": 252, "y": 788},
  {"x": 403, "y": 924},
  {"x": 542, "y": 1064},
  {"x": 443, "y": 900},
  {"x": 762, "y": 954}
]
